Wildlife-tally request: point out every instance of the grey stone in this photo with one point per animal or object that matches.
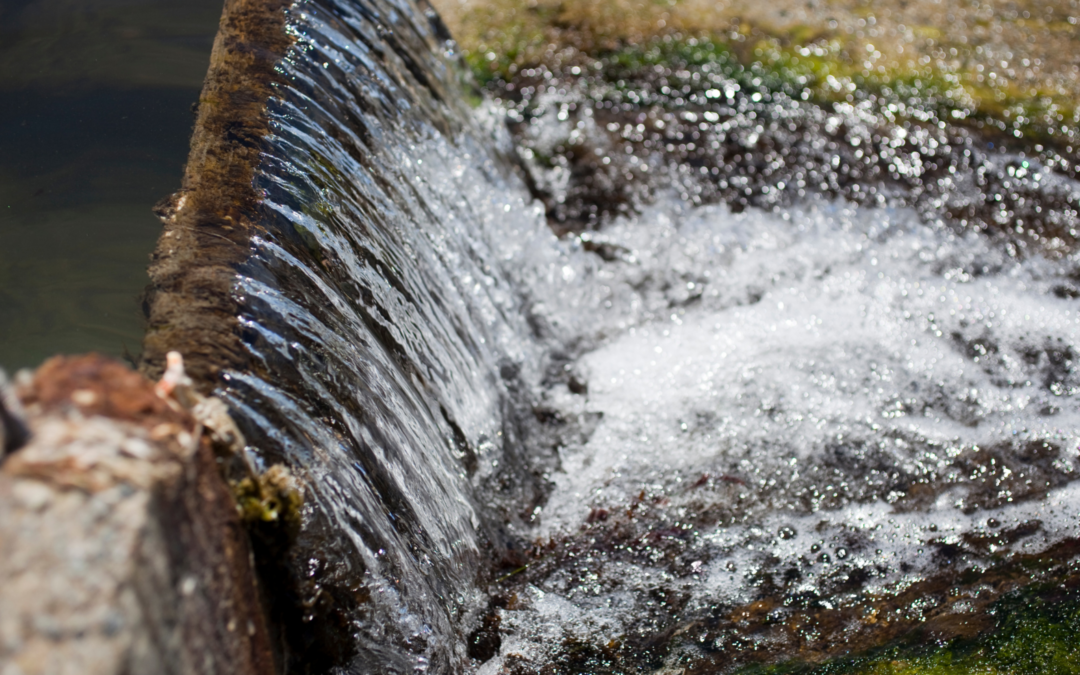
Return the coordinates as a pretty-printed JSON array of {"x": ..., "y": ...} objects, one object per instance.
[
  {"x": 97, "y": 540},
  {"x": 13, "y": 431}
]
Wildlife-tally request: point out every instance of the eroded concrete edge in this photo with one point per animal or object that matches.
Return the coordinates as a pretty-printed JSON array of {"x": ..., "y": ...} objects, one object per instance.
[{"x": 209, "y": 222}]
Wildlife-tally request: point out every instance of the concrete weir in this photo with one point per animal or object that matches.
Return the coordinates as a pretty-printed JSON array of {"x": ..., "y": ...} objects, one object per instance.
[
  {"x": 665, "y": 360},
  {"x": 208, "y": 222}
]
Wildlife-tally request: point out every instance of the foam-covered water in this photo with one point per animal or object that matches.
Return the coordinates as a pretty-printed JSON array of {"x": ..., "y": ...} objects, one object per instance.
[
  {"x": 806, "y": 397},
  {"x": 769, "y": 339}
]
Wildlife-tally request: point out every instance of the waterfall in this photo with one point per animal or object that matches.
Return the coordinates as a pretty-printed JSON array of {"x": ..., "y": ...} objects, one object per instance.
[
  {"x": 601, "y": 439},
  {"x": 390, "y": 353}
]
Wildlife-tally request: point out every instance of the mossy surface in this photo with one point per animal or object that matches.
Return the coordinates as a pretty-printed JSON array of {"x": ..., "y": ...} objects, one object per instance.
[
  {"x": 821, "y": 73},
  {"x": 1007, "y": 66},
  {"x": 1035, "y": 633},
  {"x": 271, "y": 497},
  {"x": 613, "y": 102}
]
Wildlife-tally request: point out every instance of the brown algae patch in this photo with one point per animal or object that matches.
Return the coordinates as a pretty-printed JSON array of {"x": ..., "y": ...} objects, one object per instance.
[
  {"x": 208, "y": 223},
  {"x": 1033, "y": 631},
  {"x": 1014, "y": 614}
]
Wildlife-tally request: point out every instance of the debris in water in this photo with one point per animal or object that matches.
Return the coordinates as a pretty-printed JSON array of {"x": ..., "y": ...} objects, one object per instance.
[{"x": 209, "y": 411}]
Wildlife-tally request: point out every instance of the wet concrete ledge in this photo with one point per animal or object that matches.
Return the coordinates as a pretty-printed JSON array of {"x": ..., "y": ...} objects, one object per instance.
[{"x": 208, "y": 223}]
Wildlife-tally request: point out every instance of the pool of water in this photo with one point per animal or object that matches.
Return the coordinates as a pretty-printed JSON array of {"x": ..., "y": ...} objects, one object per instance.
[{"x": 94, "y": 130}]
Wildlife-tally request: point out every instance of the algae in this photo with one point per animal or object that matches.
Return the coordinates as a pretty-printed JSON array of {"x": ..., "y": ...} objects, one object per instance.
[
  {"x": 1034, "y": 633},
  {"x": 270, "y": 497}
]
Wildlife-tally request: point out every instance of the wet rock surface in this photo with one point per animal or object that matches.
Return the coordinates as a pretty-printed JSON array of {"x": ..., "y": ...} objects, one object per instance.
[
  {"x": 604, "y": 136},
  {"x": 781, "y": 623},
  {"x": 121, "y": 550},
  {"x": 762, "y": 106},
  {"x": 1013, "y": 62}
]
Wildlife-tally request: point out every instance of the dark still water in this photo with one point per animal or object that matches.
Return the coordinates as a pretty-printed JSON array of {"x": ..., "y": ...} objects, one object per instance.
[{"x": 95, "y": 117}]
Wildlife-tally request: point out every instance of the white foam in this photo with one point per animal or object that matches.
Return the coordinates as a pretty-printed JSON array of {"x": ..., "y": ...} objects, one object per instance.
[
  {"x": 808, "y": 359},
  {"x": 853, "y": 332}
]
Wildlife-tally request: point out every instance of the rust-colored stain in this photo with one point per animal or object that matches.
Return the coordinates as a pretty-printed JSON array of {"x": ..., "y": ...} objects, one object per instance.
[{"x": 98, "y": 385}]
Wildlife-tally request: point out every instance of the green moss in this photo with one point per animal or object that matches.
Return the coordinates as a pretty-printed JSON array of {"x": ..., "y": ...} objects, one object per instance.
[
  {"x": 271, "y": 497},
  {"x": 824, "y": 73},
  {"x": 1035, "y": 634},
  {"x": 805, "y": 63},
  {"x": 515, "y": 44}
]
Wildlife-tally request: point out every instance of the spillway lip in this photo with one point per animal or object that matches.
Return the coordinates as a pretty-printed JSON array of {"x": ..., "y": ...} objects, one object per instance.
[{"x": 209, "y": 222}]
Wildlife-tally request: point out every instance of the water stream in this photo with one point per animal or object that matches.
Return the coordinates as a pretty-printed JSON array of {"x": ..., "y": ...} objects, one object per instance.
[
  {"x": 395, "y": 361},
  {"x": 513, "y": 442}
]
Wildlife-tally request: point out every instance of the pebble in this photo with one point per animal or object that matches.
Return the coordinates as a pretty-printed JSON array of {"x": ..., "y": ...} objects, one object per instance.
[{"x": 32, "y": 495}]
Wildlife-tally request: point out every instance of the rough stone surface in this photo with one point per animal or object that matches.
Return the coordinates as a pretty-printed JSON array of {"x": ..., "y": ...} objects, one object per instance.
[
  {"x": 13, "y": 433},
  {"x": 121, "y": 550}
]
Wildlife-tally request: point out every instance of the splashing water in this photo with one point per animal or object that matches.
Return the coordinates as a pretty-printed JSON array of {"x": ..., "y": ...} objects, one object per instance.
[
  {"x": 661, "y": 421},
  {"x": 391, "y": 350},
  {"x": 814, "y": 405}
]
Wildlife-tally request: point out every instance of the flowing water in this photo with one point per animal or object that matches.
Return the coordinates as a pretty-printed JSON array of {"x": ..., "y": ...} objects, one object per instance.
[
  {"x": 516, "y": 446},
  {"x": 394, "y": 351}
]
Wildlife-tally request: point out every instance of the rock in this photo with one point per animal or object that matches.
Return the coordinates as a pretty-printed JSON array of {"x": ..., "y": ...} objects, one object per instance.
[
  {"x": 13, "y": 431},
  {"x": 121, "y": 548}
]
